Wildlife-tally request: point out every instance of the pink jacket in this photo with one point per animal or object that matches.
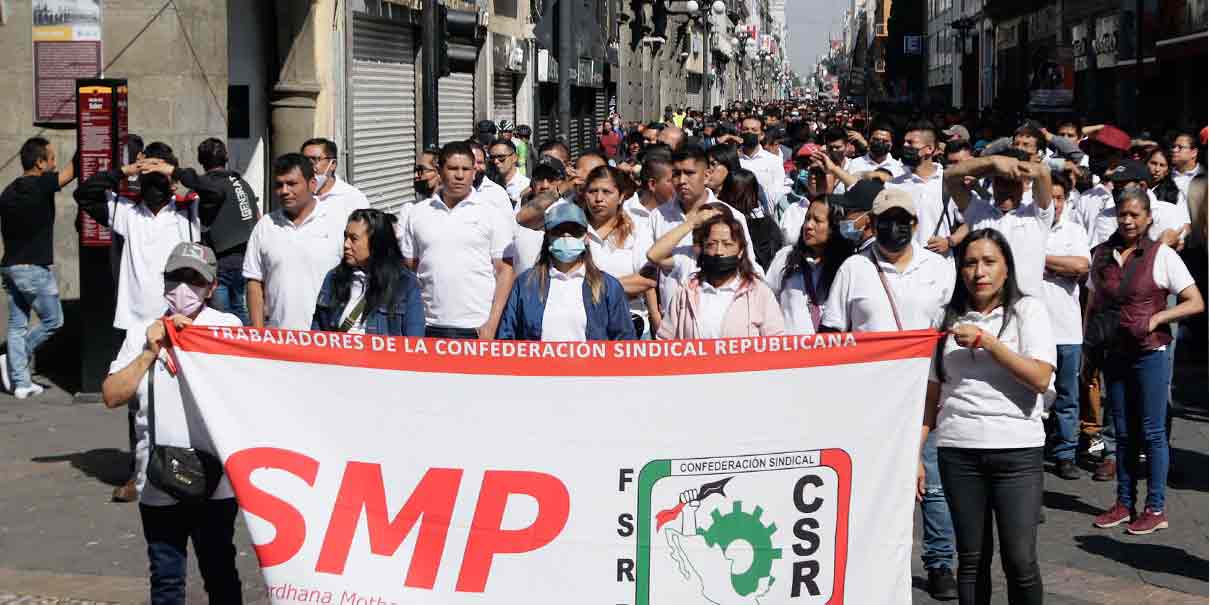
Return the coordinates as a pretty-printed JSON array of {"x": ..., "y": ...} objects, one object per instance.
[{"x": 754, "y": 312}]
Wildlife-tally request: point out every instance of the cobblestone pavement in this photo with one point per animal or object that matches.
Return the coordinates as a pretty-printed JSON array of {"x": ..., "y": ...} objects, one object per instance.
[{"x": 63, "y": 542}]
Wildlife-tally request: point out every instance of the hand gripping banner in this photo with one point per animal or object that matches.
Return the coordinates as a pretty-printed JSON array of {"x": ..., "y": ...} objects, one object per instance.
[{"x": 740, "y": 471}]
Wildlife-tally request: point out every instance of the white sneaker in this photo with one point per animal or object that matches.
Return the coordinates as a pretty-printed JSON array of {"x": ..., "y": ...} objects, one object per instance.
[
  {"x": 30, "y": 391},
  {"x": 4, "y": 377}
]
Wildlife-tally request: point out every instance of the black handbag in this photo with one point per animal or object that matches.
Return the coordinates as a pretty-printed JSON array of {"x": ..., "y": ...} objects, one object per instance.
[
  {"x": 1101, "y": 329},
  {"x": 185, "y": 473}
]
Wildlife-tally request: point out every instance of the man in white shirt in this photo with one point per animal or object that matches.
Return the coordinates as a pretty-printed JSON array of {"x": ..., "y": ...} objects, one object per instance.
[
  {"x": 938, "y": 216},
  {"x": 330, "y": 189},
  {"x": 504, "y": 155},
  {"x": 1067, "y": 262},
  {"x": 1184, "y": 165},
  {"x": 456, "y": 242},
  {"x": 768, "y": 168},
  {"x": 655, "y": 188},
  {"x": 486, "y": 189},
  {"x": 292, "y": 249},
  {"x": 918, "y": 284},
  {"x": 1098, "y": 213},
  {"x": 882, "y": 138},
  {"x": 1025, "y": 227}
]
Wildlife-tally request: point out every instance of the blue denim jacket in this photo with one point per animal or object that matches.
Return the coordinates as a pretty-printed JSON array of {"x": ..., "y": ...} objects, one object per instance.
[
  {"x": 607, "y": 320},
  {"x": 403, "y": 317}
]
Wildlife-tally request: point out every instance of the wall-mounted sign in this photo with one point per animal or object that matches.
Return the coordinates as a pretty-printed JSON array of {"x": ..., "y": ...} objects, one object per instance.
[
  {"x": 67, "y": 46},
  {"x": 101, "y": 118},
  {"x": 1080, "y": 45},
  {"x": 1106, "y": 42}
]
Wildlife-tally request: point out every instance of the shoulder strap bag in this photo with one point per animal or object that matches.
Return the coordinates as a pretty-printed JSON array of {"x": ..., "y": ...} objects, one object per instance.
[
  {"x": 887, "y": 288},
  {"x": 184, "y": 473}
]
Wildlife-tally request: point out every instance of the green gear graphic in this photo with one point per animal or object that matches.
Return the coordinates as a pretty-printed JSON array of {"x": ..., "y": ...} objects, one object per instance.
[{"x": 738, "y": 525}]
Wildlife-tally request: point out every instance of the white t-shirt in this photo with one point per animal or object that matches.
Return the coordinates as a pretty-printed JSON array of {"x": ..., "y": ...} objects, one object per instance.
[
  {"x": 344, "y": 195},
  {"x": 769, "y": 170},
  {"x": 926, "y": 193},
  {"x": 1025, "y": 228},
  {"x": 564, "y": 317},
  {"x": 291, "y": 262},
  {"x": 455, "y": 249},
  {"x": 857, "y": 301},
  {"x": 712, "y": 305},
  {"x": 175, "y": 425},
  {"x": 150, "y": 238},
  {"x": 792, "y": 293},
  {"x": 865, "y": 163},
  {"x": 1062, "y": 294},
  {"x": 983, "y": 406}
]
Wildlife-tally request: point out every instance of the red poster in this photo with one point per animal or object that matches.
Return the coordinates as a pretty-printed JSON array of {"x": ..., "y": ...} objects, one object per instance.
[{"x": 100, "y": 115}]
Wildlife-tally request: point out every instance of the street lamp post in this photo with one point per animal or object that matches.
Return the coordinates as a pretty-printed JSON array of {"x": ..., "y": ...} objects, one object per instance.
[{"x": 703, "y": 13}]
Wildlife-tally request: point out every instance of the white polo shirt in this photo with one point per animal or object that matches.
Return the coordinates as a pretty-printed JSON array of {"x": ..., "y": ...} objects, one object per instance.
[
  {"x": 792, "y": 293},
  {"x": 792, "y": 219},
  {"x": 455, "y": 249},
  {"x": 346, "y": 195},
  {"x": 865, "y": 163},
  {"x": 927, "y": 195},
  {"x": 857, "y": 301},
  {"x": 1062, "y": 294},
  {"x": 983, "y": 406},
  {"x": 496, "y": 195},
  {"x": 669, "y": 216},
  {"x": 292, "y": 261},
  {"x": 150, "y": 238},
  {"x": 173, "y": 427},
  {"x": 1025, "y": 228},
  {"x": 638, "y": 212},
  {"x": 620, "y": 261},
  {"x": 515, "y": 187},
  {"x": 564, "y": 317},
  {"x": 769, "y": 171}
]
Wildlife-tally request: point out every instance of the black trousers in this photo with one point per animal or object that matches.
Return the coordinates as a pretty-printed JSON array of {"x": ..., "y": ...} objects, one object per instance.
[
  {"x": 210, "y": 525},
  {"x": 448, "y": 332},
  {"x": 1004, "y": 486}
]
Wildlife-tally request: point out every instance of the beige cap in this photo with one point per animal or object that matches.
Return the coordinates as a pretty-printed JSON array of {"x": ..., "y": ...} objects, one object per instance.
[{"x": 893, "y": 198}]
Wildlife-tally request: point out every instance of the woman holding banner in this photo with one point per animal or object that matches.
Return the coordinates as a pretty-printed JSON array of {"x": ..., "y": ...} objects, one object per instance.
[
  {"x": 565, "y": 296},
  {"x": 370, "y": 292},
  {"x": 985, "y": 398}
]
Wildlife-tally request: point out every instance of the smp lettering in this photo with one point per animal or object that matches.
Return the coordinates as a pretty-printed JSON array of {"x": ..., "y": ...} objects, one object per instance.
[{"x": 430, "y": 506}]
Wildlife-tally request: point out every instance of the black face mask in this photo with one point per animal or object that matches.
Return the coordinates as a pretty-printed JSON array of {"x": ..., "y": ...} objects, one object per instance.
[
  {"x": 893, "y": 236},
  {"x": 713, "y": 266},
  {"x": 478, "y": 179},
  {"x": 751, "y": 140},
  {"x": 837, "y": 156},
  {"x": 156, "y": 189},
  {"x": 910, "y": 156},
  {"x": 423, "y": 190},
  {"x": 879, "y": 147}
]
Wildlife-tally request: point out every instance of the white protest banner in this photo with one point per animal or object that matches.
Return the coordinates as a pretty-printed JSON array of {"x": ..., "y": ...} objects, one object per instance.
[{"x": 379, "y": 470}]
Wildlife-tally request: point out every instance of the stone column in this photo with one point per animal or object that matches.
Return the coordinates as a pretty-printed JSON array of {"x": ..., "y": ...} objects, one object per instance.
[{"x": 295, "y": 95}]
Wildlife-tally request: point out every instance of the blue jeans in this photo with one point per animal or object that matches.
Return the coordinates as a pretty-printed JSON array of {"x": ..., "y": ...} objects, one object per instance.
[
  {"x": 230, "y": 294},
  {"x": 1137, "y": 389},
  {"x": 29, "y": 287},
  {"x": 937, "y": 528},
  {"x": 211, "y": 526},
  {"x": 1065, "y": 415}
]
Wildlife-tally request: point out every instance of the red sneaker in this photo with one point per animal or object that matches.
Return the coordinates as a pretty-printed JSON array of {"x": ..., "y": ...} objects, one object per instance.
[
  {"x": 1148, "y": 522},
  {"x": 1114, "y": 517}
]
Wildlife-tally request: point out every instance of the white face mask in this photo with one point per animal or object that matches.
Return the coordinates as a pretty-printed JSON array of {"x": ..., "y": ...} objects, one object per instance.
[
  {"x": 184, "y": 298},
  {"x": 320, "y": 179}
]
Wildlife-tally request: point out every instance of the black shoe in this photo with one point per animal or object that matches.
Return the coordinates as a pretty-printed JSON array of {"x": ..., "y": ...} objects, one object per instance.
[
  {"x": 942, "y": 585},
  {"x": 1066, "y": 469}
]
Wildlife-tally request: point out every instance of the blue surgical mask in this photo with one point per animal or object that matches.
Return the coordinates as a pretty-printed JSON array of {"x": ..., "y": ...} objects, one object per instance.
[
  {"x": 567, "y": 249},
  {"x": 849, "y": 230},
  {"x": 801, "y": 180}
]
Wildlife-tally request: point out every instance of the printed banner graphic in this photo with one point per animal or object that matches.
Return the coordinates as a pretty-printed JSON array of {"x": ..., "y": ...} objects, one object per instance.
[{"x": 756, "y": 471}]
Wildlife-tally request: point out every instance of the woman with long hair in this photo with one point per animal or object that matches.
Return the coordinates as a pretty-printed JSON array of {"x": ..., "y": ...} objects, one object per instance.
[
  {"x": 370, "y": 292},
  {"x": 801, "y": 274},
  {"x": 565, "y": 296},
  {"x": 722, "y": 161},
  {"x": 725, "y": 298},
  {"x": 742, "y": 192},
  {"x": 1128, "y": 322},
  {"x": 985, "y": 400},
  {"x": 1159, "y": 164},
  {"x": 618, "y": 246}
]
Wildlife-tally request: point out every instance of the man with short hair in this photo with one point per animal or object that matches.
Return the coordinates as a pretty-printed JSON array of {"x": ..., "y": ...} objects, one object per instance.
[
  {"x": 189, "y": 278},
  {"x": 292, "y": 248},
  {"x": 503, "y": 155},
  {"x": 655, "y": 188},
  {"x": 329, "y": 187},
  {"x": 651, "y": 134},
  {"x": 882, "y": 138},
  {"x": 939, "y": 217},
  {"x": 1185, "y": 165},
  {"x": 486, "y": 188},
  {"x": 768, "y": 168},
  {"x": 27, "y": 224},
  {"x": 456, "y": 242},
  {"x": 672, "y": 136}
]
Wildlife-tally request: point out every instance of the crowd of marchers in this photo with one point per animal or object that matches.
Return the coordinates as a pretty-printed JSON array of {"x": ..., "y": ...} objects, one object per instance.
[{"x": 1058, "y": 259}]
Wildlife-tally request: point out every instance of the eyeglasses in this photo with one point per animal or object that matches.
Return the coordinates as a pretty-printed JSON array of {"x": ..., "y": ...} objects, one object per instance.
[
  {"x": 315, "y": 159},
  {"x": 501, "y": 157},
  {"x": 1181, "y": 146}
]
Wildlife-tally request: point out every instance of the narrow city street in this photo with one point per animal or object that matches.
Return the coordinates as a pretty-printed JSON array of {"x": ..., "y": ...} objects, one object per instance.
[{"x": 63, "y": 542}]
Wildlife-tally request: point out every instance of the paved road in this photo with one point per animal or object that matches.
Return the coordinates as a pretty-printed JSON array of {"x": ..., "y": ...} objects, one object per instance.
[{"x": 62, "y": 541}]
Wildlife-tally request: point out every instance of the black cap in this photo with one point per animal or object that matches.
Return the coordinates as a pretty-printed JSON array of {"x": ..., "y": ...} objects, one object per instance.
[
  {"x": 487, "y": 126},
  {"x": 1130, "y": 171},
  {"x": 777, "y": 133},
  {"x": 861, "y": 195}
]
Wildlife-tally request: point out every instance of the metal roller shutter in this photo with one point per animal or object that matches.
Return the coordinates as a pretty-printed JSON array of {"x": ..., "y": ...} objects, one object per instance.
[
  {"x": 504, "y": 101},
  {"x": 456, "y": 107},
  {"x": 383, "y": 116}
]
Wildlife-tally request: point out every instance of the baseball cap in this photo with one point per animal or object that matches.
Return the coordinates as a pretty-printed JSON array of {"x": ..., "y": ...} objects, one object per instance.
[
  {"x": 957, "y": 131},
  {"x": 1130, "y": 170},
  {"x": 1112, "y": 136},
  {"x": 776, "y": 133},
  {"x": 545, "y": 172},
  {"x": 893, "y": 198},
  {"x": 806, "y": 150},
  {"x": 487, "y": 126},
  {"x": 564, "y": 212},
  {"x": 187, "y": 255},
  {"x": 861, "y": 195}
]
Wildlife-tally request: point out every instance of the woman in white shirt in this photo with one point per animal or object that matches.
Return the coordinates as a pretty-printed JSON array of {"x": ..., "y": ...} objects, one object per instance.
[
  {"x": 985, "y": 402},
  {"x": 618, "y": 247},
  {"x": 801, "y": 274}
]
